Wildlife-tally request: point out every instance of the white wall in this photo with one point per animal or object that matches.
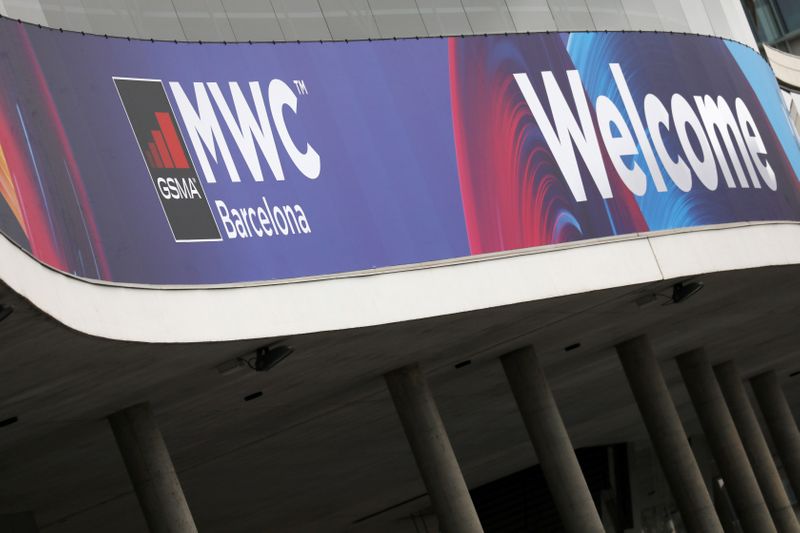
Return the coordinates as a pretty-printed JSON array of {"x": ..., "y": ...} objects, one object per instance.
[{"x": 393, "y": 295}]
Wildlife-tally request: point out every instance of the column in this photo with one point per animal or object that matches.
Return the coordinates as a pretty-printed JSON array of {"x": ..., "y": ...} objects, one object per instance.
[
  {"x": 667, "y": 436},
  {"x": 780, "y": 422},
  {"x": 551, "y": 442},
  {"x": 150, "y": 469},
  {"x": 726, "y": 446},
  {"x": 432, "y": 450},
  {"x": 755, "y": 445},
  {"x": 18, "y": 523}
]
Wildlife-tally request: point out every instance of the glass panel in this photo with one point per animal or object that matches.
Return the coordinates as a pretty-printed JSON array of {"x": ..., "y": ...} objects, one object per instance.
[
  {"x": 716, "y": 15},
  {"x": 27, "y": 10},
  {"x": 737, "y": 22},
  {"x": 531, "y": 15},
  {"x": 253, "y": 20},
  {"x": 155, "y": 19},
  {"x": 54, "y": 14},
  {"x": 489, "y": 16},
  {"x": 398, "y": 18},
  {"x": 642, "y": 15},
  {"x": 608, "y": 14},
  {"x": 204, "y": 20},
  {"x": 671, "y": 14},
  {"x": 110, "y": 17},
  {"x": 790, "y": 11},
  {"x": 571, "y": 15},
  {"x": 696, "y": 17},
  {"x": 301, "y": 19},
  {"x": 769, "y": 27},
  {"x": 67, "y": 14},
  {"x": 444, "y": 17},
  {"x": 349, "y": 19}
]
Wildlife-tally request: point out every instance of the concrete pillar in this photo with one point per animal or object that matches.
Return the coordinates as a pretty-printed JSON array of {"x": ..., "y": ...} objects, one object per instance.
[
  {"x": 726, "y": 446},
  {"x": 18, "y": 523},
  {"x": 667, "y": 436},
  {"x": 755, "y": 445},
  {"x": 150, "y": 469},
  {"x": 780, "y": 422},
  {"x": 432, "y": 450},
  {"x": 551, "y": 442}
]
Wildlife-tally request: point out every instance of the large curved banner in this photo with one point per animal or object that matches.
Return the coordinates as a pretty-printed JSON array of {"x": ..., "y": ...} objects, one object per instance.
[{"x": 164, "y": 163}]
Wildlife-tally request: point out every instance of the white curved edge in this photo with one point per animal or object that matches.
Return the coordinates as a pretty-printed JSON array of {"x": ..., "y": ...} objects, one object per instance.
[
  {"x": 785, "y": 66},
  {"x": 260, "y": 311}
]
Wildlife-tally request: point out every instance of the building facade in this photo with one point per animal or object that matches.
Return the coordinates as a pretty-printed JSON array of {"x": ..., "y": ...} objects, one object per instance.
[{"x": 398, "y": 265}]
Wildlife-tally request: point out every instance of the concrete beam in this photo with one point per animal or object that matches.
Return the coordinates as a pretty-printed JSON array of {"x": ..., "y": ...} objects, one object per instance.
[
  {"x": 724, "y": 441},
  {"x": 551, "y": 442},
  {"x": 755, "y": 444},
  {"x": 780, "y": 422},
  {"x": 668, "y": 436},
  {"x": 432, "y": 450},
  {"x": 150, "y": 469}
]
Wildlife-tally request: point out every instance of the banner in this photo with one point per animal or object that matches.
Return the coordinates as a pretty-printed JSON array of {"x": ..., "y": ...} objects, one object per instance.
[{"x": 184, "y": 163}]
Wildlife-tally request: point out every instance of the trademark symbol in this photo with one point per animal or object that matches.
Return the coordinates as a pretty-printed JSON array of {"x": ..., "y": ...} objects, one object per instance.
[{"x": 300, "y": 86}]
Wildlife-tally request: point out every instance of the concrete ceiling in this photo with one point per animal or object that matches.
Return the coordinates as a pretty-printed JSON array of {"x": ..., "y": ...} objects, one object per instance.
[{"x": 323, "y": 447}]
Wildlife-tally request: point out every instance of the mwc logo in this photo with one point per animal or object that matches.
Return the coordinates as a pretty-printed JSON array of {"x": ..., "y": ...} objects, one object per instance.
[
  {"x": 257, "y": 130},
  {"x": 164, "y": 151},
  {"x": 250, "y": 126}
]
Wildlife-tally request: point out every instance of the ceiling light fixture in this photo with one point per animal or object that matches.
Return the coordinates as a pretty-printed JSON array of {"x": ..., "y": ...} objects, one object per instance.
[
  {"x": 253, "y": 396},
  {"x": 269, "y": 356},
  {"x": 682, "y": 291},
  {"x": 260, "y": 360},
  {"x": 9, "y": 421}
]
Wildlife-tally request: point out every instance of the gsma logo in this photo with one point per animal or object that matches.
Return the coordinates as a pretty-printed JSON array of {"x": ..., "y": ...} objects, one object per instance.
[{"x": 164, "y": 151}]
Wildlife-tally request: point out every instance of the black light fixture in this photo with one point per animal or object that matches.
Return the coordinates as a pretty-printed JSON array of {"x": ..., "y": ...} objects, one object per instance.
[
  {"x": 682, "y": 291},
  {"x": 5, "y": 310},
  {"x": 269, "y": 356},
  {"x": 253, "y": 396},
  {"x": 8, "y": 421}
]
